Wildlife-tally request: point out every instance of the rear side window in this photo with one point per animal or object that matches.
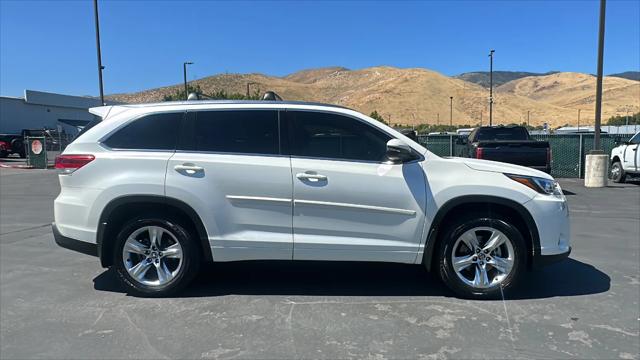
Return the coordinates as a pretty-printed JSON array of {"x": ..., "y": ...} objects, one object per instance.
[
  {"x": 333, "y": 136},
  {"x": 153, "y": 132},
  {"x": 232, "y": 131},
  {"x": 502, "y": 133}
]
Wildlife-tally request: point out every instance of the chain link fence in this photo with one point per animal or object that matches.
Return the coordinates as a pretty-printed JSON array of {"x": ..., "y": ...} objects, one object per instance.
[{"x": 568, "y": 150}]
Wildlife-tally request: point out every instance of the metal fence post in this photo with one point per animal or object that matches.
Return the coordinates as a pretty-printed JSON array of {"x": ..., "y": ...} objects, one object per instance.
[
  {"x": 450, "y": 145},
  {"x": 580, "y": 155}
]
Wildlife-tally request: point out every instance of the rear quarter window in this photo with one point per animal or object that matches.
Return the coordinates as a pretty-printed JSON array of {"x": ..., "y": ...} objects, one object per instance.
[{"x": 151, "y": 132}]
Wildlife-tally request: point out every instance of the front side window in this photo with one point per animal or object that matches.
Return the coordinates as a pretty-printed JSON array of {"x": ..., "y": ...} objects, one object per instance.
[
  {"x": 333, "y": 136},
  {"x": 152, "y": 132},
  {"x": 232, "y": 131}
]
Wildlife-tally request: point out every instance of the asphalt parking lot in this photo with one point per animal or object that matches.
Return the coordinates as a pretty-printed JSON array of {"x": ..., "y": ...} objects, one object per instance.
[{"x": 55, "y": 303}]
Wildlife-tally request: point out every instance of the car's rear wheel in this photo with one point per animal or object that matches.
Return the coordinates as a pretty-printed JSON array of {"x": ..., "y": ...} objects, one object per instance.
[
  {"x": 617, "y": 172},
  {"x": 155, "y": 257},
  {"x": 481, "y": 257}
]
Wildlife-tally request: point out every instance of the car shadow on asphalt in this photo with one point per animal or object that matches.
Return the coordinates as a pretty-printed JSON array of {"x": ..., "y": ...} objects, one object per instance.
[{"x": 568, "y": 278}]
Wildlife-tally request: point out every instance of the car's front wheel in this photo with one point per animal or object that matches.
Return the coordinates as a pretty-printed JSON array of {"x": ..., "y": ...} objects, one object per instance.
[
  {"x": 481, "y": 257},
  {"x": 155, "y": 257},
  {"x": 617, "y": 172}
]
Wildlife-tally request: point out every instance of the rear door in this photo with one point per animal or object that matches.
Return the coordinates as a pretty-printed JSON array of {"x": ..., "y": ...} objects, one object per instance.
[
  {"x": 228, "y": 166},
  {"x": 348, "y": 203}
]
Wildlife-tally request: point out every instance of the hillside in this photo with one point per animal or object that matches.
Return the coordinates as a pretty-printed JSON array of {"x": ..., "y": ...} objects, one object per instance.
[
  {"x": 499, "y": 77},
  {"x": 413, "y": 96}
]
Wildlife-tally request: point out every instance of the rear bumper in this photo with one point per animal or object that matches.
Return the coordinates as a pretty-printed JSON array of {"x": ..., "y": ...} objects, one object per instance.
[{"x": 73, "y": 244}]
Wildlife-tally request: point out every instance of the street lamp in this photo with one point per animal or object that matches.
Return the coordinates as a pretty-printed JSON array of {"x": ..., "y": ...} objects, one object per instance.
[
  {"x": 184, "y": 72},
  {"x": 450, "y": 110},
  {"x": 491, "y": 87},
  {"x": 100, "y": 67}
]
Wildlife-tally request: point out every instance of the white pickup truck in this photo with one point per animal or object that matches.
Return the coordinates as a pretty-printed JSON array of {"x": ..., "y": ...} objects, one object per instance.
[{"x": 625, "y": 159}]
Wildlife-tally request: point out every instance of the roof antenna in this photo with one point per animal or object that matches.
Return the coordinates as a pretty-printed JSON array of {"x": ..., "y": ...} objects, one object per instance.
[{"x": 271, "y": 96}]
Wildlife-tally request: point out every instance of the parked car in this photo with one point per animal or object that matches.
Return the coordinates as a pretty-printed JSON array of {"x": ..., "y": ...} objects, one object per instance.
[
  {"x": 625, "y": 159},
  {"x": 14, "y": 144},
  {"x": 155, "y": 190},
  {"x": 510, "y": 144}
]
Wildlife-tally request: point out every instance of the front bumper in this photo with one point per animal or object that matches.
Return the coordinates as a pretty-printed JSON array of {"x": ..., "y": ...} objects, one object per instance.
[
  {"x": 551, "y": 217},
  {"x": 544, "y": 260},
  {"x": 73, "y": 244}
]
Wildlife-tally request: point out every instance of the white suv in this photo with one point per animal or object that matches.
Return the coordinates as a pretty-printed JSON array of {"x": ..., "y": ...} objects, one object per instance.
[
  {"x": 625, "y": 159},
  {"x": 155, "y": 190}
]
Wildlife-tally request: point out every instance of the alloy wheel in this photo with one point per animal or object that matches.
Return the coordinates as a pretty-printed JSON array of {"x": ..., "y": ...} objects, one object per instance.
[
  {"x": 152, "y": 255},
  {"x": 483, "y": 257}
]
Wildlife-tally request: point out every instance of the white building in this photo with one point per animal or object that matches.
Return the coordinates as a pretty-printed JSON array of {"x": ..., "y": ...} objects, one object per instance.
[{"x": 43, "y": 110}]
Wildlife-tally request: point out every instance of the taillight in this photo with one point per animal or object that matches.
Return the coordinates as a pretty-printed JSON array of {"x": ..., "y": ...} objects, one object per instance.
[
  {"x": 70, "y": 163},
  {"x": 478, "y": 153}
]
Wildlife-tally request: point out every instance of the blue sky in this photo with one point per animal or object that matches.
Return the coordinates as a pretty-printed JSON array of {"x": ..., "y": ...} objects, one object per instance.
[{"x": 50, "y": 45}]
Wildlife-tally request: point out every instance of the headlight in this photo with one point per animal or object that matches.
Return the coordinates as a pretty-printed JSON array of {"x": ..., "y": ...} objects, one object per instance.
[{"x": 541, "y": 185}]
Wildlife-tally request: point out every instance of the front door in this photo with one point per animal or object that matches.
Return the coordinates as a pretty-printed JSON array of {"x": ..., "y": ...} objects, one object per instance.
[
  {"x": 349, "y": 204},
  {"x": 229, "y": 168},
  {"x": 632, "y": 154}
]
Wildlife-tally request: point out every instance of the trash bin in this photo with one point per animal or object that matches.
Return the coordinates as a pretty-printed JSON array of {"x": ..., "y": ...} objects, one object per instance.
[{"x": 37, "y": 152}]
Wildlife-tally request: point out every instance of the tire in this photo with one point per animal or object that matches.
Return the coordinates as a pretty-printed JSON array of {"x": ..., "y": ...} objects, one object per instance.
[
  {"x": 617, "y": 172},
  {"x": 468, "y": 282},
  {"x": 17, "y": 146},
  {"x": 158, "y": 274}
]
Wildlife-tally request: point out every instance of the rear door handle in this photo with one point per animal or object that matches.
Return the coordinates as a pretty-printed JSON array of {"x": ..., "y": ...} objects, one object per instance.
[
  {"x": 311, "y": 176},
  {"x": 188, "y": 168}
]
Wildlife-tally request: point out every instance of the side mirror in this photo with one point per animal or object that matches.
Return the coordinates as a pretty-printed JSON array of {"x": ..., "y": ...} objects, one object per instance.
[
  {"x": 461, "y": 141},
  {"x": 398, "y": 151}
]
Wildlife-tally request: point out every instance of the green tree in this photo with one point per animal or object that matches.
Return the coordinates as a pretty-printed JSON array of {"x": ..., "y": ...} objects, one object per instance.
[
  {"x": 178, "y": 95},
  {"x": 376, "y": 116},
  {"x": 622, "y": 120}
]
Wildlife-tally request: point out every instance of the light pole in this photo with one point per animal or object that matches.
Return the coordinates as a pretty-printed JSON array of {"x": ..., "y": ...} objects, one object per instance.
[
  {"x": 491, "y": 87},
  {"x": 528, "y": 118},
  {"x": 450, "y": 110},
  {"x": 596, "y": 138},
  {"x": 100, "y": 67},
  {"x": 184, "y": 72},
  {"x": 438, "y": 121},
  {"x": 480, "y": 117},
  {"x": 597, "y": 161}
]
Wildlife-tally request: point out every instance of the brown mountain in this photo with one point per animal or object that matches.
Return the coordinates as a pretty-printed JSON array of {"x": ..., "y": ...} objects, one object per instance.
[{"x": 413, "y": 96}]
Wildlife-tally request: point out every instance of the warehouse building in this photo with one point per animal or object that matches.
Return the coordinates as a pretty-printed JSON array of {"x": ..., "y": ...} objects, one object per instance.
[{"x": 39, "y": 110}]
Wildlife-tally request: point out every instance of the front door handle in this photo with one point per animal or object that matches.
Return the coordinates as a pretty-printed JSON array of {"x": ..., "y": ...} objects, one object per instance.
[
  {"x": 311, "y": 176},
  {"x": 188, "y": 168}
]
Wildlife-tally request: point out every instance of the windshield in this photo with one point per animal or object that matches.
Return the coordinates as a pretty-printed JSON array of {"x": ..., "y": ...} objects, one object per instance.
[{"x": 503, "y": 133}]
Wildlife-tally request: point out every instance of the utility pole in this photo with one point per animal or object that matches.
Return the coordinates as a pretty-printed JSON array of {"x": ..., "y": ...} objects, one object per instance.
[
  {"x": 578, "y": 119},
  {"x": 480, "y": 117},
  {"x": 248, "y": 84},
  {"x": 450, "y": 110},
  {"x": 596, "y": 138},
  {"x": 528, "y": 118},
  {"x": 438, "y": 122},
  {"x": 184, "y": 72},
  {"x": 491, "y": 87},
  {"x": 100, "y": 67}
]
